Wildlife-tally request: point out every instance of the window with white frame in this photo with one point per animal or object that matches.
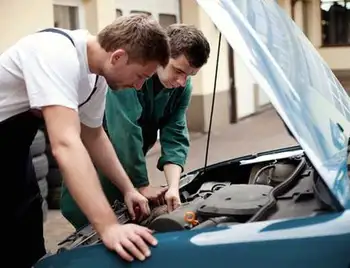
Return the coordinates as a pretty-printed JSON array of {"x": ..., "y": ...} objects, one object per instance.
[{"x": 66, "y": 17}]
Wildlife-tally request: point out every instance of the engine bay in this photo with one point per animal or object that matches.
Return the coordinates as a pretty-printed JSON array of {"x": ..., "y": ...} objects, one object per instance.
[
  {"x": 273, "y": 190},
  {"x": 234, "y": 202},
  {"x": 232, "y": 193}
]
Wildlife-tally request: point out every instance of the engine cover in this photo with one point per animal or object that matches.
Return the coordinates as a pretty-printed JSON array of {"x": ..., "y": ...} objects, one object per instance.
[{"x": 235, "y": 200}]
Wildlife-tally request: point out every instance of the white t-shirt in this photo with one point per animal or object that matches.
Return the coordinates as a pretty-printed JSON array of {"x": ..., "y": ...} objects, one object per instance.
[{"x": 47, "y": 69}]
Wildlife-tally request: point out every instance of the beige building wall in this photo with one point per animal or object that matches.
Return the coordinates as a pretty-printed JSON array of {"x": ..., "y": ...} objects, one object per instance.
[
  {"x": 203, "y": 83},
  {"x": 18, "y": 18},
  {"x": 98, "y": 13}
]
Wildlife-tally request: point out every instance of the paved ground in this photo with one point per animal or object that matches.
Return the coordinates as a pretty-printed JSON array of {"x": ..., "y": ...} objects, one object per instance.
[{"x": 259, "y": 133}]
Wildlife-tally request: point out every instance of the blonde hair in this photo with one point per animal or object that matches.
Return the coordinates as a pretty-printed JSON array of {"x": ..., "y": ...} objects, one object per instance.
[{"x": 140, "y": 35}]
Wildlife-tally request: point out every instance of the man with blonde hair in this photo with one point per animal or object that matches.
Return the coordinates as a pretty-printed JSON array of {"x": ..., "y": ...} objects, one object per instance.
[
  {"x": 134, "y": 117},
  {"x": 61, "y": 76}
]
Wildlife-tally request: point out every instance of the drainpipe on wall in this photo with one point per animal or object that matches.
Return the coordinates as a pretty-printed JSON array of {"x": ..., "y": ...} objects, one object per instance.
[{"x": 292, "y": 8}]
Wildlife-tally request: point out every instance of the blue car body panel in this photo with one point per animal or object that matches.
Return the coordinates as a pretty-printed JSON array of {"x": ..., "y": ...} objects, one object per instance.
[
  {"x": 321, "y": 242},
  {"x": 315, "y": 108}
]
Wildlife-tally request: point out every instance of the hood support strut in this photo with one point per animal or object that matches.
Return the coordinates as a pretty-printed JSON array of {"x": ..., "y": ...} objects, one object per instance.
[{"x": 212, "y": 103}]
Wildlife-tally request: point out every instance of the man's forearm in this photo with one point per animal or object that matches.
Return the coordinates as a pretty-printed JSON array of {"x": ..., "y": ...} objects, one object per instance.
[
  {"x": 105, "y": 158},
  {"x": 82, "y": 181},
  {"x": 63, "y": 128},
  {"x": 172, "y": 175}
]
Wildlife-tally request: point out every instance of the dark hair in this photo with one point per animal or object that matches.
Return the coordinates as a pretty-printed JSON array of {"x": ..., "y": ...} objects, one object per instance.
[
  {"x": 140, "y": 35},
  {"x": 189, "y": 41}
]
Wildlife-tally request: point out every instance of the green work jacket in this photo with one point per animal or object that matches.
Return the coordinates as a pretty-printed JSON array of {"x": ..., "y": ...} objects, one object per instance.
[{"x": 132, "y": 120}]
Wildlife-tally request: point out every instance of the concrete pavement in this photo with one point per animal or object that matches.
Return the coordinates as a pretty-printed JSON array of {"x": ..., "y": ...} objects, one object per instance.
[{"x": 262, "y": 132}]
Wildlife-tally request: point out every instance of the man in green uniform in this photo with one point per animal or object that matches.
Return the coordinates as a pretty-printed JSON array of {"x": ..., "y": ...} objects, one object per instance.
[{"x": 133, "y": 118}]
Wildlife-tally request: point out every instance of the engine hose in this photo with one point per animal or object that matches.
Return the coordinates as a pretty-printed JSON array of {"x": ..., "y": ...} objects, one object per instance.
[
  {"x": 278, "y": 190},
  {"x": 256, "y": 177}
]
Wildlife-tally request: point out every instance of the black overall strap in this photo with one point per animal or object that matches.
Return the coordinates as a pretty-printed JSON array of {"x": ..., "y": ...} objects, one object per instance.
[
  {"x": 58, "y": 31},
  {"x": 54, "y": 30},
  {"x": 92, "y": 93}
]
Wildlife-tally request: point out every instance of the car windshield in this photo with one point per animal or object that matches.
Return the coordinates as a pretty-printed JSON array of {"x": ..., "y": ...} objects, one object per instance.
[{"x": 299, "y": 83}]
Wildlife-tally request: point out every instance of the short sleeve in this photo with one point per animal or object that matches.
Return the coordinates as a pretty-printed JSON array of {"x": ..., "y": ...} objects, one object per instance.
[
  {"x": 91, "y": 113},
  {"x": 51, "y": 71}
]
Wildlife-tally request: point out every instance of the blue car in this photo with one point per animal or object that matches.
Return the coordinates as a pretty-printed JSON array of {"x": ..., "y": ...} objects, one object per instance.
[{"x": 283, "y": 208}]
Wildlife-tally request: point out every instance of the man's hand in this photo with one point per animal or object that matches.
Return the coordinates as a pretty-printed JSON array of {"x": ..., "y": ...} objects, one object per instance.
[
  {"x": 129, "y": 239},
  {"x": 134, "y": 199},
  {"x": 172, "y": 174},
  {"x": 154, "y": 194},
  {"x": 172, "y": 199}
]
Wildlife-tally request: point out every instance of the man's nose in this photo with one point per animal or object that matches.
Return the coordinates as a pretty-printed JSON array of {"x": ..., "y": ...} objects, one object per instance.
[
  {"x": 138, "y": 84},
  {"x": 182, "y": 80}
]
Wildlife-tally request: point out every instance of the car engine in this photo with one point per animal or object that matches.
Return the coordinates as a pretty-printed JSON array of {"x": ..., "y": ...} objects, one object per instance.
[
  {"x": 272, "y": 190},
  {"x": 225, "y": 202}
]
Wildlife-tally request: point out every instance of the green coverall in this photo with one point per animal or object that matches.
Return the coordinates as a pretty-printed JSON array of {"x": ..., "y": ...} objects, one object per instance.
[{"x": 132, "y": 119}]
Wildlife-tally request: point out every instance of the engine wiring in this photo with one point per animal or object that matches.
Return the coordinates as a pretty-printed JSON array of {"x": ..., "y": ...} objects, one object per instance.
[
  {"x": 278, "y": 190},
  {"x": 269, "y": 178}
]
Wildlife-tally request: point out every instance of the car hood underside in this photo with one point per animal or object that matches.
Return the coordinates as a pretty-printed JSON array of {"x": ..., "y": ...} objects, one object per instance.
[{"x": 300, "y": 85}]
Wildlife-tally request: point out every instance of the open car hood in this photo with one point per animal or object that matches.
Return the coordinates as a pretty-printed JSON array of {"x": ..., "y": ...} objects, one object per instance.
[{"x": 298, "y": 82}]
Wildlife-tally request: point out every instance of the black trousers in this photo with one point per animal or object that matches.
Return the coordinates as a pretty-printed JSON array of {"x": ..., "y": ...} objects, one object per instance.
[{"x": 22, "y": 215}]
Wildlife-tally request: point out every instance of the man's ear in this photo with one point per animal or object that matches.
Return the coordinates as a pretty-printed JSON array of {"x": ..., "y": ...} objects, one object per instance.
[{"x": 119, "y": 56}]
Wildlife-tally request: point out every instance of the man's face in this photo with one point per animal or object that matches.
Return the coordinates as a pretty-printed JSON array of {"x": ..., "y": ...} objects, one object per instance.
[
  {"x": 120, "y": 74},
  {"x": 176, "y": 72}
]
